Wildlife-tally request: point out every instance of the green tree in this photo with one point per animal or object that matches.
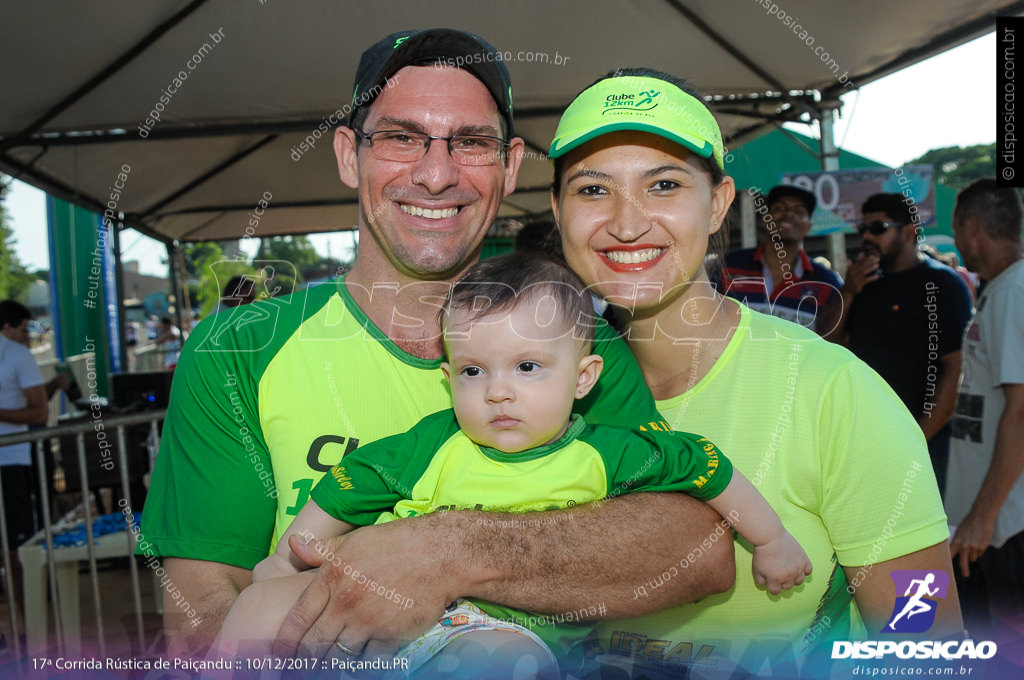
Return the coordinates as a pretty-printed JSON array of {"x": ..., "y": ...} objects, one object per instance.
[
  {"x": 958, "y": 166},
  {"x": 210, "y": 269},
  {"x": 15, "y": 279},
  {"x": 283, "y": 259},
  {"x": 194, "y": 255}
]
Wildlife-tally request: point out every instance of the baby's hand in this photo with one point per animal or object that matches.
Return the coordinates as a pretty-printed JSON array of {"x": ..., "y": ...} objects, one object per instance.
[
  {"x": 274, "y": 566},
  {"x": 780, "y": 564}
]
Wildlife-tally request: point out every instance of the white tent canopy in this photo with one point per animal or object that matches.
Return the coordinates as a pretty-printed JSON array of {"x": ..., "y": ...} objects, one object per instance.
[{"x": 262, "y": 76}]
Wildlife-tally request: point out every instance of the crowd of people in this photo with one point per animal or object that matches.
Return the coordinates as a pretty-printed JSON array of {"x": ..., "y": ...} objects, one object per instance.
[{"x": 433, "y": 460}]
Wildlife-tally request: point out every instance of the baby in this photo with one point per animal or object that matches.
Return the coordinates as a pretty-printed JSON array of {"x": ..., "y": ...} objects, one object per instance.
[{"x": 518, "y": 333}]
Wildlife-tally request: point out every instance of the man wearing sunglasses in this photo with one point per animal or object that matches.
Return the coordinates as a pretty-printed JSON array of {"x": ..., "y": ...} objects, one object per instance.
[
  {"x": 261, "y": 409},
  {"x": 904, "y": 315}
]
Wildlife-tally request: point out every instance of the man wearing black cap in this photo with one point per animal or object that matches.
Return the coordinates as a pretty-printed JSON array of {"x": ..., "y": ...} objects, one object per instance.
[
  {"x": 261, "y": 409},
  {"x": 778, "y": 277}
]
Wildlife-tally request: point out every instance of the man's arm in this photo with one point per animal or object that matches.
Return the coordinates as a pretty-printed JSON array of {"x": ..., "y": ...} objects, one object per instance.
[
  {"x": 974, "y": 534},
  {"x": 945, "y": 395},
  {"x": 208, "y": 514},
  {"x": 592, "y": 559},
  {"x": 955, "y": 309},
  {"x": 209, "y": 587},
  {"x": 875, "y": 593},
  {"x": 35, "y": 411},
  {"x": 554, "y": 562}
]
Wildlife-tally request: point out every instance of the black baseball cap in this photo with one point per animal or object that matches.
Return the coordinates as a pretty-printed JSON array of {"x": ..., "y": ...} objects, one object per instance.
[
  {"x": 805, "y": 197},
  {"x": 433, "y": 46}
]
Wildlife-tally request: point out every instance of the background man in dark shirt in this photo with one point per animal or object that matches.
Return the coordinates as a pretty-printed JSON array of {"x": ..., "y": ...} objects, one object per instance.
[{"x": 904, "y": 315}]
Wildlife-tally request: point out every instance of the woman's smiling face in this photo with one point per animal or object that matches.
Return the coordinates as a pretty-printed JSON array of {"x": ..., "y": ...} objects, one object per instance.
[{"x": 635, "y": 211}]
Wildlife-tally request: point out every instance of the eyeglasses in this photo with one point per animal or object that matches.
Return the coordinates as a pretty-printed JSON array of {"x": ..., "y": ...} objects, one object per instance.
[
  {"x": 877, "y": 227},
  {"x": 406, "y": 146}
]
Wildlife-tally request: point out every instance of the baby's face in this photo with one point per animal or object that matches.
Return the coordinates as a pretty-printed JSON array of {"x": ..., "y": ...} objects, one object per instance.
[{"x": 513, "y": 375}]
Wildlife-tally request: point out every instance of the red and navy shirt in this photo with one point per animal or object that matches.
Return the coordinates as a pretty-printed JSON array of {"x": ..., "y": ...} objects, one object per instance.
[{"x": 798, "y": 298}]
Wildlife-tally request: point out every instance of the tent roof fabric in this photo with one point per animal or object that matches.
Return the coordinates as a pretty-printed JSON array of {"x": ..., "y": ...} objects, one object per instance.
[{"x": 238, "y": 89}]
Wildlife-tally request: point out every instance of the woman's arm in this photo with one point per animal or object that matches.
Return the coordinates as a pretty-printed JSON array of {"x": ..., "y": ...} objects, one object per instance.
[{"x": 875, "y": 592}]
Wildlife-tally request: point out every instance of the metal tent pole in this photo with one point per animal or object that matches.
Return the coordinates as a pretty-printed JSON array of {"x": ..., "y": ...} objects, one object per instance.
[{"x": 829, "y": 162}]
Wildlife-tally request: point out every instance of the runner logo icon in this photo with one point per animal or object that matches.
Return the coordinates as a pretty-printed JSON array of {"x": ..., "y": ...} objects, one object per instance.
[
  {"x": 914, "y": 610},
  {"x": 645, "y": 100}
]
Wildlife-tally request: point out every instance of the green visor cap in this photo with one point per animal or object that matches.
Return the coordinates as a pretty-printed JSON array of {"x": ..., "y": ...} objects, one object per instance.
[{"x": 639, "y": 103}]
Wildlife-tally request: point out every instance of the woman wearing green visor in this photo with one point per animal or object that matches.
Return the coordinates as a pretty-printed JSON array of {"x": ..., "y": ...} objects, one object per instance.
[{"x": 639, "y": 186}]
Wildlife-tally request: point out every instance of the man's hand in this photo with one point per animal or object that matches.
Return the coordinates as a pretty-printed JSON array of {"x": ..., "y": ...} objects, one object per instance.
[
  {"x": 971, "y": 539},
  {"x": 61, "y": 381},
  {"x": 974, "y": 534},
  {"x": 860, "y": 273},
  {"x": 385, "y": 584}
]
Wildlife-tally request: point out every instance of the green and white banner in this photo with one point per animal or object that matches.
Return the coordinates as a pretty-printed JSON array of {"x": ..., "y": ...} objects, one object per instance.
[{"x": 82, "y": 280}]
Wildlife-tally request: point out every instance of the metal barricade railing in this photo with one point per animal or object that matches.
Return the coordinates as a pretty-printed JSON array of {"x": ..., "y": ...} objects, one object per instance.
[{"x": 77, "y": 430}]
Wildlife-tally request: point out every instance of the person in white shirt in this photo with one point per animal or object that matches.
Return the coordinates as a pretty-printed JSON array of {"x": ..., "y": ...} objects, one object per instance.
[
  {"x": 985, "y": 496},
  {"x": 22, "y": 403}
]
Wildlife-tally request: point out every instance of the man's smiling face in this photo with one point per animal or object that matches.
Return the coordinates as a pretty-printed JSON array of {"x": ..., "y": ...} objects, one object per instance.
[{"x": 428, "y": 217}]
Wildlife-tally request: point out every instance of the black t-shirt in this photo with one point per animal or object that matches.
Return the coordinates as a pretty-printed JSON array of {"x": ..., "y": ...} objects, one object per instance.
[{"x": 902, "y": 325}]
